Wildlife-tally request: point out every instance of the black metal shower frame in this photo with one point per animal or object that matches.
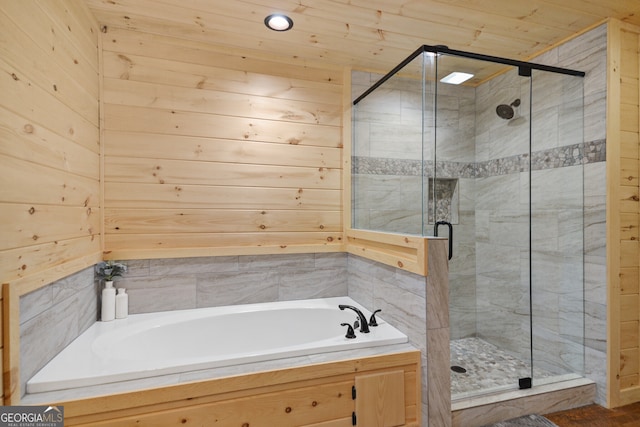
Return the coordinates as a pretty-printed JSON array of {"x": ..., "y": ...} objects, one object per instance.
[{"x": 524, "y": 68}]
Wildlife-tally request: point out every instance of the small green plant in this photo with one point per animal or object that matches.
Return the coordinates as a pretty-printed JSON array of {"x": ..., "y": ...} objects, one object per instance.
[{"x": 107, "y": 270}]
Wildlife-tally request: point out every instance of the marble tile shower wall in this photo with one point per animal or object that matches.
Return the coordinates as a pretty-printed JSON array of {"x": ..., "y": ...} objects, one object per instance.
[
  {"x": 588, "y": 53},
  {"x": 511, "y": 200},
  {"x": 391, "y": 120},
  {"x": 388, "y": 169}
]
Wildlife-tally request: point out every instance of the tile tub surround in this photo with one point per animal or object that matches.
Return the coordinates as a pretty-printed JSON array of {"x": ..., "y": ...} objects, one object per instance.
[
  {"x": 53, "y": 316},
  {"x": 183, "y": 283}
]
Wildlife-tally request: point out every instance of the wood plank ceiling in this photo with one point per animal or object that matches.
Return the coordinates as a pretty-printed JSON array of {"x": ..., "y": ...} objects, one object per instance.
[{"x": 367, "y": 34}]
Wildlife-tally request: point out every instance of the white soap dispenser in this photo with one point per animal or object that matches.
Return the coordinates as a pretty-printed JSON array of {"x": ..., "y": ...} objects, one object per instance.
[
  {"x": 108, "y": 311},
  {"x": 122, "y": 304}
]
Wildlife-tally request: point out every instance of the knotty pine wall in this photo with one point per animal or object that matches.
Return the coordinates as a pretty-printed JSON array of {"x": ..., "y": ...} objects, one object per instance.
[
  {"x": 49, "y": 155},
  {"x": 623, "y": 217},
  {"x": 211, "y": 152},
  {"x": 49, "y": 141}
]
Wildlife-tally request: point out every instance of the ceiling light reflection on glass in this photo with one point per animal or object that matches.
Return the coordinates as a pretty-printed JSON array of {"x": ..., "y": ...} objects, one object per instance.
[
  {"x": 278, "y": 22},
  {"x": 456, "y": 78}
]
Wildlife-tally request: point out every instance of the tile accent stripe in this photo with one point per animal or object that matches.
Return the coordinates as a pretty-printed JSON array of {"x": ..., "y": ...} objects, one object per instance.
[{"x": 570, "y": 155}]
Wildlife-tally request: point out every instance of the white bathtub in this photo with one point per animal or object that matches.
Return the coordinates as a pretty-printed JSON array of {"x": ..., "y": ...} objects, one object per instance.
[{"x": 147, "y": 345}]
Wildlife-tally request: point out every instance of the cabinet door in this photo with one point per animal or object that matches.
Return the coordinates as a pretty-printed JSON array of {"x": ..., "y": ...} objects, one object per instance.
[
  {"x": 380, "y": 399},
  {"x": 322, "y": 405}
]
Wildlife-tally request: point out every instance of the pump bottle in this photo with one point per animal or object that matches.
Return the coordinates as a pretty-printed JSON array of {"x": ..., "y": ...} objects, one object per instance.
[
  {"x": 108, "y": 311},
  {"x": 122, "y": 304}
]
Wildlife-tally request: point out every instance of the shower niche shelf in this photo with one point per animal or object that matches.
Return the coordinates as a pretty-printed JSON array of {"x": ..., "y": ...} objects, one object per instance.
[{"x": 444, "y": 200}]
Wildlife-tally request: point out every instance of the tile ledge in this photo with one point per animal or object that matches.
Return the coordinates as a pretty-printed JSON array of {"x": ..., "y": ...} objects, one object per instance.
[{"x": 516, "y": 394}]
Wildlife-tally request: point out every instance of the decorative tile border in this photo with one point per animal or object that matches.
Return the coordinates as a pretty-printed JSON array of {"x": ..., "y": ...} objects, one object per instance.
[
  {"x": 386, "y": 166},
  {"x": 570, "y": 155}
]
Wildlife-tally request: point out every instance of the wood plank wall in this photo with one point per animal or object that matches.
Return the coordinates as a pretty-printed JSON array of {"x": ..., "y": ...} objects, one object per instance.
[
  {"x": 208, "y": 152},
  {"x": 49, "y": 154},
  {"x": 49, "y": 149},
  {"x": 623, "y": 217}
]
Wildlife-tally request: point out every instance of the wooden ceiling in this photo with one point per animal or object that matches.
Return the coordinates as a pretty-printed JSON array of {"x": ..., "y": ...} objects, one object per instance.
[{"x": 367, "y": 34}]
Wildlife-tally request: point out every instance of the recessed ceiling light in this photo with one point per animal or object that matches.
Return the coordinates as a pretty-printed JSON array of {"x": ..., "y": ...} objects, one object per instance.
[
  {"x": 456, "y": 78},
  {"x": 278, "y": 22}
]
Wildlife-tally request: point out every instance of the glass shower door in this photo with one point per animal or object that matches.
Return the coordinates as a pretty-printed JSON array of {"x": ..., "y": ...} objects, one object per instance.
[{"x": 481, "y": 186}]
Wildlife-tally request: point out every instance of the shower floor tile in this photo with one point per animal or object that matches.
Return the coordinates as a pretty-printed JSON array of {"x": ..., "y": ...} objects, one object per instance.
[{"x": 487, "y": 367}]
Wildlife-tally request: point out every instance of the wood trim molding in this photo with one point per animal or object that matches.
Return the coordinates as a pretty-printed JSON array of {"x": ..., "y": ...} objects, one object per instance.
[{"x": 407, "y": 252}]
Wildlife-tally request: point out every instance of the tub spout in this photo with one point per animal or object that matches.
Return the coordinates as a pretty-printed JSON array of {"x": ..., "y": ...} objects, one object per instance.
[{"x": 364, "y": 326}]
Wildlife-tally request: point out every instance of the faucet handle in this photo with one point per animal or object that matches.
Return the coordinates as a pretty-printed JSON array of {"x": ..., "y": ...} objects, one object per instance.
[
  {"x": 372, "y": 320},
  {"x": 350, "y": 333}
]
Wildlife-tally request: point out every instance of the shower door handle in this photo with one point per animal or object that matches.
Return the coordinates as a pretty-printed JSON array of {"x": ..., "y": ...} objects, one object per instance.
[{"x": 435, "y": 233}]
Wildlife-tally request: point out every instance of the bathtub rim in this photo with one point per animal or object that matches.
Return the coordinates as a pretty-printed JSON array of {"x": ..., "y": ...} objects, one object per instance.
[
  {"x": 100, "y": 327},
  {"x": 172, "y": 380}
]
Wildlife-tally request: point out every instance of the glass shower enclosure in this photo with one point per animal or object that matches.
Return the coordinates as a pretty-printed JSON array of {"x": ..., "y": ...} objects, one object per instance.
[{"x": 491, "y": 148}]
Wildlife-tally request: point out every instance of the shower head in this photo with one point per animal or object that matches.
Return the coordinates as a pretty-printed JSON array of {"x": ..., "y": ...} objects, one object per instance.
[{"x": 505, "y": 111}]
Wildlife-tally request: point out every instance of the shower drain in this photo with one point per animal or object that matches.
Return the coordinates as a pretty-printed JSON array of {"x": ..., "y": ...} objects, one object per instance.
[{"x": 458, "y": 369}]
